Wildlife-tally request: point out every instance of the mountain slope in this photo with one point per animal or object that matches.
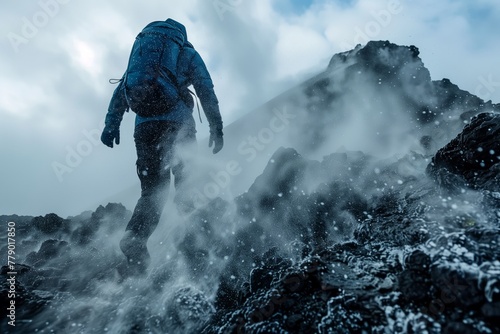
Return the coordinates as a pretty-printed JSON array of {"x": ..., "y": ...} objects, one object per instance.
[{"x": 357, "y": 202}]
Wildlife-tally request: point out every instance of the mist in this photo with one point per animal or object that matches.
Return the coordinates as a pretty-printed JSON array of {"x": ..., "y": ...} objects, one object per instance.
[
  {"x": 322, "y": 156},
  {"x": 253, "y": 51},
  {"x": 305, "y": 175}
]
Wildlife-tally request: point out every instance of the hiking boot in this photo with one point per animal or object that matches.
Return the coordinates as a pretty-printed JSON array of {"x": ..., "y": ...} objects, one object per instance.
[{"x": 135, "y": 250}]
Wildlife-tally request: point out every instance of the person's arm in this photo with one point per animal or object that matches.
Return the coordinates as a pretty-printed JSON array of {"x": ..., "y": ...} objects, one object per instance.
[
  {"x": 204, "y": 87},
  {"x": 117, "y": 107}
]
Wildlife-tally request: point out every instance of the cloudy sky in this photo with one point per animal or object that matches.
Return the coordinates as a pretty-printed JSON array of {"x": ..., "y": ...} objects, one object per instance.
[{"x": 56, "y": 57}]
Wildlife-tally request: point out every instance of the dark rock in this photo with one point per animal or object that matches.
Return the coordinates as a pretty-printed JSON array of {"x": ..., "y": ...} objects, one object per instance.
[
  {"x": 18, "y": 268},
  {"x": 491, "y": 310},
  {"x": 414, "y": 285},
  {"x": 348, "y": 244},
  {"x": 415, "y": 281},
  {"x": 371, "y": 74},
  {"x": 28, "y": 302},
  {"x": 418, "y": 261},
  {"x": 459, "y": 328},
  {"x": 112, "y": 217},
  {"x": 49, "y": 249},
  {"x": 456, "y": 287},
  {"x": 50, "y": 224},
  {"x": 472, "y": 159},
  {"x": 228, "y": 295},
  {"x": 188, "y": 310},
  {"x": 22, "y": 223},
  {"x": 267, "y": 327},
  {"x": 261, "y": 277},
  {"x": 324, "y": 211},
  {"x": 392, "y": 222}
]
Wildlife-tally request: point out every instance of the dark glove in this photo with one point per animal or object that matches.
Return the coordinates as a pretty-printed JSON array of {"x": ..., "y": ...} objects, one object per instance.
[
  {"x": 110, "y": 134},
  {"x": 216, "y": 137}
]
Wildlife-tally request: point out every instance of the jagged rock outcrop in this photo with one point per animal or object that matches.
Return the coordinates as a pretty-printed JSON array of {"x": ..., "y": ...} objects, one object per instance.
[
  {"x": 52, "y": 267},
  {"x": 48, "y": 250},
  {"x": 50, "y": 224},
  {"x": 401, "y": 70},
  {"x": 413, "y": 265},
  {"x": 112, "y": 217},
  {"x": 472, "y": 159},
  {"x": 388, "y": 86}
]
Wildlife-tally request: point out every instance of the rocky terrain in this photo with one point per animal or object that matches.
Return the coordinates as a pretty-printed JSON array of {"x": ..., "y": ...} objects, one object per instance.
[{"x": 349, "y": 243}]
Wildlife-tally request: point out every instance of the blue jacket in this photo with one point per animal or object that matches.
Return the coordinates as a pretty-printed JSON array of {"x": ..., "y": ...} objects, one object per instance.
[{"x": 191, "y": 70}]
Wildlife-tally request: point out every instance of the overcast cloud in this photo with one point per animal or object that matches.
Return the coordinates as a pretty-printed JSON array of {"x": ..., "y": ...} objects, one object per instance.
[{"x": 56, "y": 57}]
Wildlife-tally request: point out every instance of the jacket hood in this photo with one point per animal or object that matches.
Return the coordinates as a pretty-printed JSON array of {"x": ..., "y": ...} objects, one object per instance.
[
  {"x": 172, "y": 25},
  {"x": 178, "y": 26}
]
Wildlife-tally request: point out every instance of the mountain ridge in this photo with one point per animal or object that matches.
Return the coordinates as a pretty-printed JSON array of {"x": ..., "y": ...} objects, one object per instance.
[{"x": 398, "y": 231}]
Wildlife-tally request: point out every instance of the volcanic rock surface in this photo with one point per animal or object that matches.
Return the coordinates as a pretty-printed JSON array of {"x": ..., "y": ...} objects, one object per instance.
[
  {"x": 472, "y": 159},
  {"x": 349, "y": 243}
]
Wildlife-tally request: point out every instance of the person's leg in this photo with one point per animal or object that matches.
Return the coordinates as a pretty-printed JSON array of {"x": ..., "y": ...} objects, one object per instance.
[
  {"x": 154, "y": 142},
  {"x": 185, "y": 148}
]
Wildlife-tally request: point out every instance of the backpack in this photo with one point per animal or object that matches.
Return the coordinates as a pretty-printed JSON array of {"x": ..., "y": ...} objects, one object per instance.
[{"x": 150, "y": 80}]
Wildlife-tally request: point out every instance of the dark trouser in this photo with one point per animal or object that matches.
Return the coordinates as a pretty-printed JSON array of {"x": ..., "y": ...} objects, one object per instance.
[{"x": 156, "y": 143}]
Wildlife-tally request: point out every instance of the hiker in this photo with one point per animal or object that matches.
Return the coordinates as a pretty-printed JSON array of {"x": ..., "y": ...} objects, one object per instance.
[{"x": 162, "y": 65}]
